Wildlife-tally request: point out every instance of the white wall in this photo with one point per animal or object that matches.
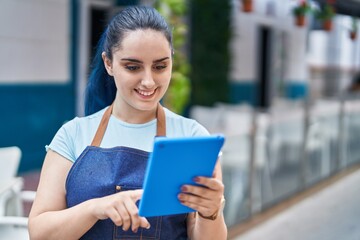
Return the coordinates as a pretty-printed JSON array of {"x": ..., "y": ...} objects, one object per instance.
[
  {"x": 34, "y": 41},
  {"x": 334, "y": 49},
  {"x": 244, "y": 47},
  {"x": 349, "y": 50},
  {"x": 336, "y": 43},
  {"x": 296, "y": 51}
]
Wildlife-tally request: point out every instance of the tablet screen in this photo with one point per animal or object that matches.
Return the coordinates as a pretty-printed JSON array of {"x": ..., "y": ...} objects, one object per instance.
[{"x": 173, "y": 163}]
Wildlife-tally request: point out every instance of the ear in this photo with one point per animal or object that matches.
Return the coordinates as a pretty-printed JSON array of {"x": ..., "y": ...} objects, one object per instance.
[{"x": 107, "y": 64}]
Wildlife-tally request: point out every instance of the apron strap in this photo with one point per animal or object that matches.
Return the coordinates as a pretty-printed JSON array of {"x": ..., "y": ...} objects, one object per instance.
[
  {"x": 160, "y": 124},
  {"x": 102, "y": 127}
]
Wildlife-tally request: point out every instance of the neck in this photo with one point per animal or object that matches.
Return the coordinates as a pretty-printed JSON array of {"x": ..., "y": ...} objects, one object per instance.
[{"x": 128, "y": 114}]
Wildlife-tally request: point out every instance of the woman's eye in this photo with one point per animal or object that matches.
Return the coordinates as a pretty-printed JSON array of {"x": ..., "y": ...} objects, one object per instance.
[
  {"x": 160, "y": 67},
  {"x": 132, "y": 68}
]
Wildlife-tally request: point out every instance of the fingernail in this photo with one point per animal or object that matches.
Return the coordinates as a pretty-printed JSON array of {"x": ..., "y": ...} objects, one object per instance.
[
  {"x": 135, "y": 230},
  {"x": 148, "y": 226},
  {"x": 184, "y": 188},
  {"x": 197, "y": 179}
]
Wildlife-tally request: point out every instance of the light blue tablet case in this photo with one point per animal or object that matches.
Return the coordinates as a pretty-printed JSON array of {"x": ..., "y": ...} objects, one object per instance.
[{"x": 173, "y": 163}]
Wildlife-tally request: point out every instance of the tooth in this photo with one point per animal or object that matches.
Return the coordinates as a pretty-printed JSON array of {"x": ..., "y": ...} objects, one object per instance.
[{"x": 145, "y": 93}]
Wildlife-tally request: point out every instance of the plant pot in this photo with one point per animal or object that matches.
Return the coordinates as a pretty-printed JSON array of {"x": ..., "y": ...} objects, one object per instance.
[
  {"x": 300, "y": 20},
  {"x": 327, "y": 25},
  {"x": 247, "y": 5},
  {"x": 353, "y": 35}
]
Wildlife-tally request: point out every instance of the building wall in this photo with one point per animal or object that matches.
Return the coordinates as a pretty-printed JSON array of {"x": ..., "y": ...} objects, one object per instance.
[
  {"x": 288, "y": 69},
  {"x": 36, "y": 83},
  {"x": 34, "y": 41},
  {"x": 304, "y": 60},
  {"x": 333, "y": 59}
]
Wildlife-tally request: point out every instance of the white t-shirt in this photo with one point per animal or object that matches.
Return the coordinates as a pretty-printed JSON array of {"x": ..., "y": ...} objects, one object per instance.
[{"x": 74, "y": 136}]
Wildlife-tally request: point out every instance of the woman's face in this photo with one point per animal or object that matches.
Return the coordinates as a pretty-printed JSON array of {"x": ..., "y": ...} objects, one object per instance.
[{"x": 141, "y": 68}]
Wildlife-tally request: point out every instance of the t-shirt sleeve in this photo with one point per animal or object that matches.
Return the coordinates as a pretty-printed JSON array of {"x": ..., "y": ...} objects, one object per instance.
[
  {"x": 199, "y": 130},
  {"x": 63, "y": 141}
]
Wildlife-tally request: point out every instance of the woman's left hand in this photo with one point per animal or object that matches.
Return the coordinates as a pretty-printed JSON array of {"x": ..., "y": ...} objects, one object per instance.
[{"x": 206, "y": 199}]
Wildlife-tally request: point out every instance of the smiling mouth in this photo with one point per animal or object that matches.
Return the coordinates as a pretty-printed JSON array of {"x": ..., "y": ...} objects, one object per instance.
[{"x": 145, "y": 93}]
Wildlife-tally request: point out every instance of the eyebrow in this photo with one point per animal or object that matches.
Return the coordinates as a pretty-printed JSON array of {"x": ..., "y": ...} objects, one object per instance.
[{"x": 138, "y": 61}]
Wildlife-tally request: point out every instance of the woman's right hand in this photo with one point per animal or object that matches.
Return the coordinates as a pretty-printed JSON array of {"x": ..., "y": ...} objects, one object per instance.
[{"x": 121, "y": 209}]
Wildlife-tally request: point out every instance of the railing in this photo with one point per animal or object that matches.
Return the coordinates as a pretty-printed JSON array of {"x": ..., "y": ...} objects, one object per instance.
[{"x": 270, "y": 156}]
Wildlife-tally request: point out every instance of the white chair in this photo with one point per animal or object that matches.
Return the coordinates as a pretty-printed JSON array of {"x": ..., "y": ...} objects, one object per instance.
[
  {"x": 238, "y": 128},
  {"x": 285, "y": 131},
  {"x": 13, "y": 228},
  {"x": 9, "y": 162},
  {"x": 12, "y": 195},
  {"x": 209, "y": 117},
  {"x": 13, "y": 225},
  {"x": 10, "y": 184},
  {"x": 351, "y": 152},
  {"x": 326, "y": 114}
]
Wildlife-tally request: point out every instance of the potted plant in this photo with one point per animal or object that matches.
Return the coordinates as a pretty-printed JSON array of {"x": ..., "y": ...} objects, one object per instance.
[
  {"x": 247, "y": 5},
  {"x": 300, "y": 12},
  {"x": 354, "y": 28},
  {"x": 326, "y": 15}
]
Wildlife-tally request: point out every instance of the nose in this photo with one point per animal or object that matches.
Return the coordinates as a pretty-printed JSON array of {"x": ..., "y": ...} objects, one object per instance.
[{"x": 148, "y": 80}]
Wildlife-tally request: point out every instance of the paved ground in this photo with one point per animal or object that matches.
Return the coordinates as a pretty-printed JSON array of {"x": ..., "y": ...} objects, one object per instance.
[{"x": 331, "y": 214}]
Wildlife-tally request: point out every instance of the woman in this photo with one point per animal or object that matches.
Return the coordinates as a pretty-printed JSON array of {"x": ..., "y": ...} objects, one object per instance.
[{"x": 90, "y": 192}]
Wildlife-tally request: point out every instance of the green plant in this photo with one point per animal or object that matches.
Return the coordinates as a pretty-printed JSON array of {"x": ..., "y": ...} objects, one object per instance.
[
  {"x": 302, "y": 9},
  {"x": 326, "y": 13},
  {"x": 210, "y": 55},
  {"x": 178, "y": 93}
]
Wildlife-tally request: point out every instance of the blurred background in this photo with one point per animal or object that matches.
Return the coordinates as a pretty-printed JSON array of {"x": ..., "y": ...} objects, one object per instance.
[{"x": 279, "y": 78}]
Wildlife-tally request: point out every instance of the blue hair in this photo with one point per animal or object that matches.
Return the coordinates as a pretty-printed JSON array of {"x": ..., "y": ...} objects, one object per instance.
[{"x": 101, "y": 88}]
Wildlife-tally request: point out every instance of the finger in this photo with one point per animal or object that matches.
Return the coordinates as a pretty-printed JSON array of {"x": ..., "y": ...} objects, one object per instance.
[
  {"x": 126, "y": 219},
  {"x": 198, "y": 191},
  {"x": 204, "y": 206},
  {"x": 114, "y": 215},
  {"x": 134, "y": 215},
  {"x": 144, "y": 223},
  {"x": 203, "y": 192},
  {"x": 136, "y": 194},
  {"x": 211, "y": 183},
  {"x": 194, "y": 200},
  {"x": 204, "y": 210}
]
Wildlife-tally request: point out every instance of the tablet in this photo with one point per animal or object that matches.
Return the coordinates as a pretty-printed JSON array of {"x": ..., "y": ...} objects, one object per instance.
[{"x": 173, "y": 163}]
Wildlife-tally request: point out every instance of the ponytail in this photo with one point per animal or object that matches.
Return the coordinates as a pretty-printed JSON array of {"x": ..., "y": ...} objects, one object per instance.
[{"x": 101, "y": 89}]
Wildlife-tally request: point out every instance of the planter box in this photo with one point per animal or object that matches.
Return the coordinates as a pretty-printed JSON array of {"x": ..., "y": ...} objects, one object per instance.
[
  {"x": 300, "y": 20},
  {"x": 247, "y": 6}
]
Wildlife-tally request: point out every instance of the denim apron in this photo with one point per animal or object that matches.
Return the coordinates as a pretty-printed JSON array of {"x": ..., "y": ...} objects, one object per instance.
[{"x": 99, "y": 172}]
